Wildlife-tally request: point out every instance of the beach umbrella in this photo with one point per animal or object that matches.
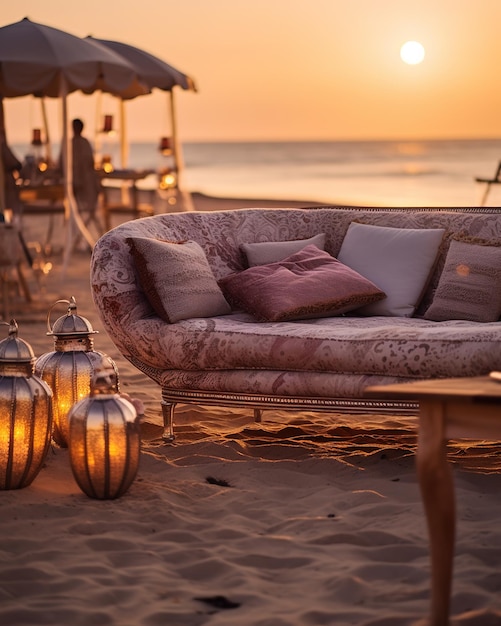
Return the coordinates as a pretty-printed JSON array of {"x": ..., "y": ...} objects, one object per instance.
[
  {"x": 47, "y": 62},
  {"x": 154, "y": 73}
]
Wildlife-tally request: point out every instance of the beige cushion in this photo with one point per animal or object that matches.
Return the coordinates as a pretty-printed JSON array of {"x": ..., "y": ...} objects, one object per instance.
[
  {"x": 470, "y": 285},
  {"x": 307, "y": 284},
  {"x": 265, "y": 252},
  {"x": 177, "y": 279},
  {"x": 398, "y": 260}
]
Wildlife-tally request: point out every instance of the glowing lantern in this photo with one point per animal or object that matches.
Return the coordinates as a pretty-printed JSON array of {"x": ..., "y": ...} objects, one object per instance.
[
  {"x": 104, "y": 438},
  {"x": 25, "y": 413},
  {"x": 167, "y": 179},
  {"x": 70, "y": 368}
]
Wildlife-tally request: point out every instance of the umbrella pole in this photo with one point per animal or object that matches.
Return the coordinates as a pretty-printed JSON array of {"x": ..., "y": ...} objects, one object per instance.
[
  {"x": 2, "y": 170},
  {"x": 175, "y": 142},
  {"x": 48, "y": 149},
  {"x": 72, "y": 216},
  {"x": 124, "y": 152},
  {"x": 97, "y": 131},
  {"x": 185, "y": 196}
]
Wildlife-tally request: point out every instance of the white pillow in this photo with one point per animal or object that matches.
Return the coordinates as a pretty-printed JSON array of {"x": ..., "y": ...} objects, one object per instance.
[
  {"x": 264, "y": 252},
  {"x": 398, "y": 260}
]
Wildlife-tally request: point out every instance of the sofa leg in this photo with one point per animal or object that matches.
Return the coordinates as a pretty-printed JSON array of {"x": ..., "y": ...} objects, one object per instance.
[
  {"x": 258, "y": 415},
  {"x": 168, "y": 415}
]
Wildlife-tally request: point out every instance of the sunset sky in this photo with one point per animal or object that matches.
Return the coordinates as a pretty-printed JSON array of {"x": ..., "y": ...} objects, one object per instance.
[{"x": 293, "y": 70}]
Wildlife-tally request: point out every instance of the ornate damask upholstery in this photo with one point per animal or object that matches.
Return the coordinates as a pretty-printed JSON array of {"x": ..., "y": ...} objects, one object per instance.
[{"x": 321, "y": 364}]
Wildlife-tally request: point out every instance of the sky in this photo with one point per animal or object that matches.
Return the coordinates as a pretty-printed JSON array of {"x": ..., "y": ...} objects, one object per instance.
[{"x": 288, "y": 70}]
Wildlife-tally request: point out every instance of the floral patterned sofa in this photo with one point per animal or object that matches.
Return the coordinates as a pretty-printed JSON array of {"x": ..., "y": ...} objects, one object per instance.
[{"x": 323, "y": 361}]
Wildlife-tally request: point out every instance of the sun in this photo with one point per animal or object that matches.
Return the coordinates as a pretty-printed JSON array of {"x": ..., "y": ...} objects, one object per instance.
[{"x": 412, "y": 52}]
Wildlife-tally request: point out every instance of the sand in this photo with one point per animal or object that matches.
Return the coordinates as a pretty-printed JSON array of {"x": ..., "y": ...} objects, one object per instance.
[{"x": 303, "y": 519}]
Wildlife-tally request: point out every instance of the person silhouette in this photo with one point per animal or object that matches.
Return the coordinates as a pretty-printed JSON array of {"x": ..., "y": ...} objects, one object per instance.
[{"x": 86, "y": 185}]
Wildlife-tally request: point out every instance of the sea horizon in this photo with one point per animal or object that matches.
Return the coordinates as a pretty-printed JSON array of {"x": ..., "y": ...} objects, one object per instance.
[{"x": 433, "y": 172}]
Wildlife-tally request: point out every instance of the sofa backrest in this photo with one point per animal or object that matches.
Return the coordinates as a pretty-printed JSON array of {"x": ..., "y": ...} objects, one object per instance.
[{"x": 118, "y": 295}]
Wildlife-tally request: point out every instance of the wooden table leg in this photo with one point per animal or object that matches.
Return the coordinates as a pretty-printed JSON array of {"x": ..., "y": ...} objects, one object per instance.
[{"x": 437, "y": 492}]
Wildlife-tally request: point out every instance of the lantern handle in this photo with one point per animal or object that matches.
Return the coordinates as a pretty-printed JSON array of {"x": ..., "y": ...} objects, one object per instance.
[
  {"x": 72, "y": 306},
  {"x": 13, "y": 326}
]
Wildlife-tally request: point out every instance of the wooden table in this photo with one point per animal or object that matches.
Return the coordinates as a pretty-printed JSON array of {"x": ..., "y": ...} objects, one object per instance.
[
  {"x": 128, "y": 204},
  {"x": 453, "y": 408}
]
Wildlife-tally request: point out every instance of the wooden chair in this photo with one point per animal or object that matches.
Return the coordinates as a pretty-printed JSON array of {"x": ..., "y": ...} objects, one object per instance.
[
  {"x": 126, "y": 204},
  {"x": 44, "y": 200},
  {"x": 496, "y": 180},
  {"x": 11, "y": 272}
]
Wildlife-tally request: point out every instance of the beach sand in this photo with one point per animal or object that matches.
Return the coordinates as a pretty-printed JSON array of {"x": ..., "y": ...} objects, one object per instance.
[{"x": 303, "y": 519}]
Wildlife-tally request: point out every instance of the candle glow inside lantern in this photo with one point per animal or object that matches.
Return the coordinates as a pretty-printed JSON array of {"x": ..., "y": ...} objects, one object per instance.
[
  {"x": 25, "y": 413},
  {"x": 104, "y": 438},
  {"x": 69, "y": 369}
]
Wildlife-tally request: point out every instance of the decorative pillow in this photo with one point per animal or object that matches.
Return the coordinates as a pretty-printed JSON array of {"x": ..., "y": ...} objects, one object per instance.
[
  {"x": 265, "y": 252},
  {"x": 398, "y": 260},
  {"x": 470, "y": 285},
  {"x": 307, "y": 284},
  {"x": 177, "y": 279}
]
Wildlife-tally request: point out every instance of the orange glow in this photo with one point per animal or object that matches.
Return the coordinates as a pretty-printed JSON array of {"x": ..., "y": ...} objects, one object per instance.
[
  {"x": 463, "y": 270},
  {"x": 275, "y": 71}
]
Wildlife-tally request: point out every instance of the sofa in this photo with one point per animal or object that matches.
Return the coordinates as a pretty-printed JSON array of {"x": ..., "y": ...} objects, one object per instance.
[{"x": 301, "y": 308}]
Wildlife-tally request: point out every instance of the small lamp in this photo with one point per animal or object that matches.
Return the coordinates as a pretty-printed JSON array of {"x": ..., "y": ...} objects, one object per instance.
[
  {"x": 106, "y": 164},
  {"x": 104, "y": 438},
  {"x": 25, "y": 413},
  {"x": 69, "y": 369},
  {"x": 165, "y": 146},
  {"x": 167, "y": 179},
  {"x": 37, "y": 137},
  {"x": 108, "y": 124},
  {"x": 37, "y": 143}
]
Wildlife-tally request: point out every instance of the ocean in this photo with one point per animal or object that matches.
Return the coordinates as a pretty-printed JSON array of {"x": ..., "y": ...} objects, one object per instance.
[{"x": 366, "y": 173}]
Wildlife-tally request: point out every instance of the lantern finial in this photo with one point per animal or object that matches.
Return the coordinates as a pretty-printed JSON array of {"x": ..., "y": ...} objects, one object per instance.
[
  {"x": 14, "y": 350},
  {"x": 104, "y": 379},
  {"x": 70, "y": 324},
  {"x": 13, "y": 327}
]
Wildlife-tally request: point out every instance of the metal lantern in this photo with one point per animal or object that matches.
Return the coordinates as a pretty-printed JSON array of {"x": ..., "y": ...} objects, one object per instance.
[
  {"x": 70, "y": 368},
  {"x": 104, "y": 438},
  {"x": 25, "y": 413}
]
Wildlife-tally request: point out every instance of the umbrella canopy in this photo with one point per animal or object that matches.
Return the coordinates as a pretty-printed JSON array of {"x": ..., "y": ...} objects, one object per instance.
[
  {"x": 153, "y": 73},
  {"x": 44, "y": 61}
]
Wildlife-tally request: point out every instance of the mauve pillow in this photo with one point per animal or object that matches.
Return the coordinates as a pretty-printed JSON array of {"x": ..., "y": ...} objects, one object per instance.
[
  {"x": 307, "y": 284},
  {"x": 177, "y": 279},
  {"x": 264, "y": 252},
  {"x": 470, "y": 285}
]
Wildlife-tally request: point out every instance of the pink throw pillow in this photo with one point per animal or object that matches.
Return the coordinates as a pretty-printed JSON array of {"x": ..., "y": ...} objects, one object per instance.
[{"x": 308, "y": 284}]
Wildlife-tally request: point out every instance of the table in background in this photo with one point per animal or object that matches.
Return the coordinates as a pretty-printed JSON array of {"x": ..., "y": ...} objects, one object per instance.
[
  {"x": 128, "y": 194},
  {"x": 453, "y": 408}
]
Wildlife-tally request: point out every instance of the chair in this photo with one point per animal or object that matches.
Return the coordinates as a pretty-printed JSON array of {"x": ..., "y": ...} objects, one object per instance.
[
  {"x": 123, "y": 197},
  {"x": 11, "y": 273},
  {"x": 496, "y": 180},
  {"x": 44, "y": 200}
]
